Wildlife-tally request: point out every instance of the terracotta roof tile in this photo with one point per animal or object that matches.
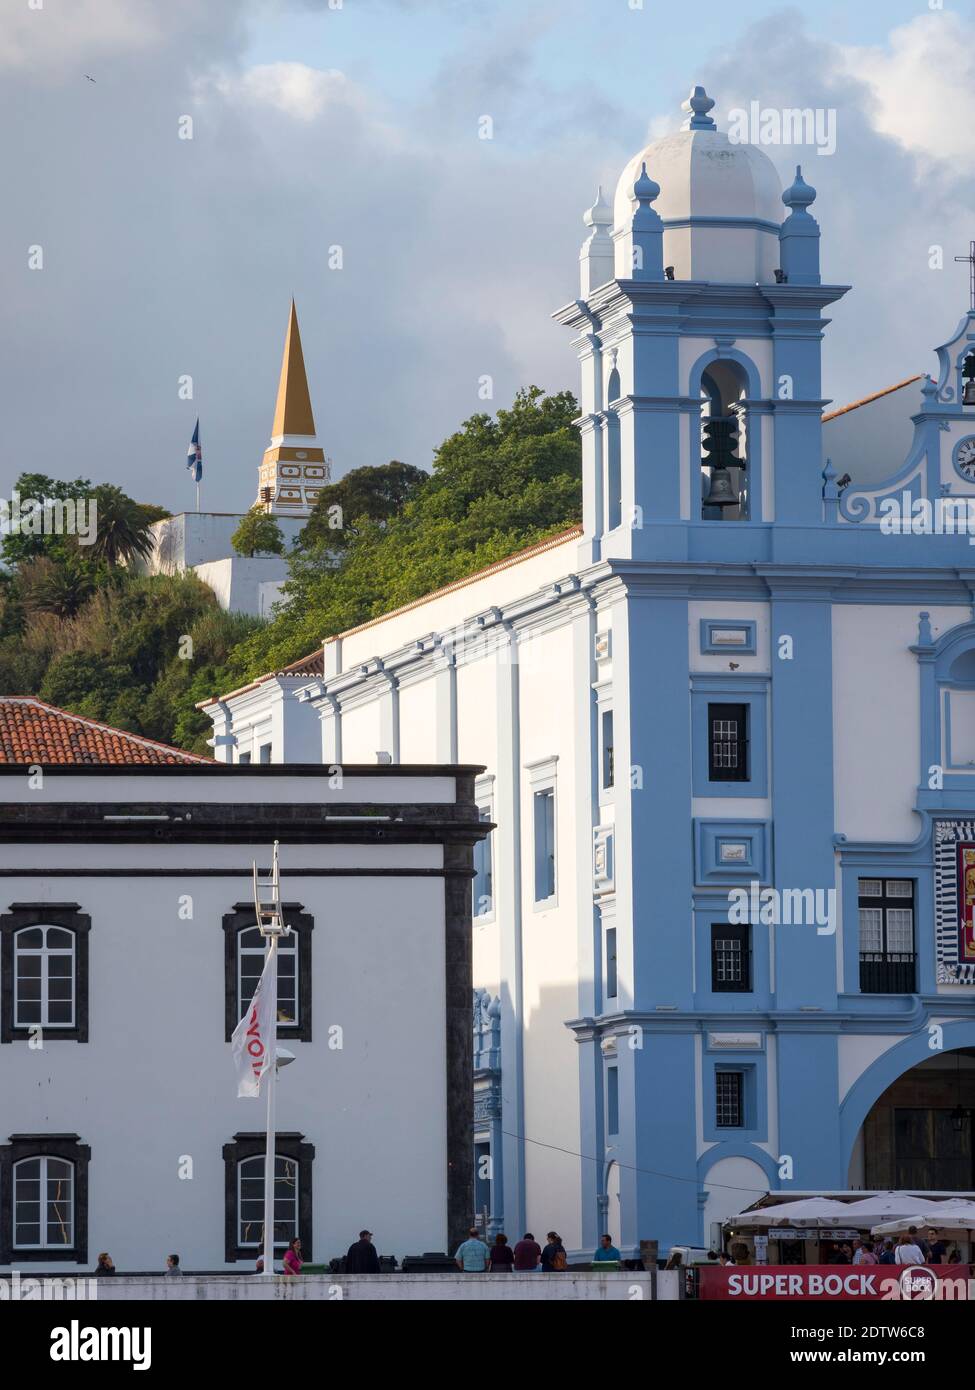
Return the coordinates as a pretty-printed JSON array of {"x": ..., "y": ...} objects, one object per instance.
[
  {"x": 868, "y": 400},
  {"x": 34, "y": 732}
]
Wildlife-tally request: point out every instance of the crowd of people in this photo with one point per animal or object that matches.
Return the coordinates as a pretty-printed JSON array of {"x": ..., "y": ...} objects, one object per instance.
[
  {"x": 475, "y": 1256},
  {"x": 910, "y": 1248}
]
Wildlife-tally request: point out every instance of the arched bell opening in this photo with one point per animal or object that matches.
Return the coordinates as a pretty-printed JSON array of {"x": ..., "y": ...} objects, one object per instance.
[{"x": 724, "y": 442}]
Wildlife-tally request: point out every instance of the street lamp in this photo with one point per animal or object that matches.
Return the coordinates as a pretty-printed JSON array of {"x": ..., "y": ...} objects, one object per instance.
[{"x": 272, "y": 926}]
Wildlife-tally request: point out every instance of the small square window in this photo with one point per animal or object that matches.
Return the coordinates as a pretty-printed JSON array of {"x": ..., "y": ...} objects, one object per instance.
[
  {"x": 730, "y": 958},
  {"x": 729, "y": 1099},
  {"x": 728, "y": 743}
]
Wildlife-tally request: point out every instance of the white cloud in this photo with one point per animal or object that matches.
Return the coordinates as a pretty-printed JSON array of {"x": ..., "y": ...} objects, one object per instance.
[
  {"x": 292, "y": 88},
  {"x": 922, "y": 85}
]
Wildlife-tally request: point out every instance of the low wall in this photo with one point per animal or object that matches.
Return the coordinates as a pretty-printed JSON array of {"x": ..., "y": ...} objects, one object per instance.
[{"x": 534, "y": 1288}]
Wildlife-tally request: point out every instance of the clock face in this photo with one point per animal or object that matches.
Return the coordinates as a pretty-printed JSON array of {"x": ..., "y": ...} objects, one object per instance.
[{"x": 965, "y": 458}]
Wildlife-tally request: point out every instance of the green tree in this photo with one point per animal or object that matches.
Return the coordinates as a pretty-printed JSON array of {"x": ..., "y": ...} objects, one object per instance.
[
  {"x": 258, "y": 534},
  {"x": 376, "y": 494},
  {"x": 60, "y": 586},
  {"x": 122, "y": 531}
]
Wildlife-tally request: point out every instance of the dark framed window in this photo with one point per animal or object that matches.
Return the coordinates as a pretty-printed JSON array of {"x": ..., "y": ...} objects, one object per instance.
[
  {"x": 727, "y": 743},
  {"x": 244, "y": 960},
  {"x": 612, "y": 978},
  {"x": 612, "y": 1100},
  {"x": 44, "y": 1199},
  {"x": 44, "y": 972},
  {"x": 607, "y": 755},
  {"x": 244, "y": 758},
  {"x": 244, "y": 1194},
  {"x": 888, "y": 963},
  {"x": 731, "y": 958},
  {"x": 729, "y": 1099},
  {"x": 264, "y": 753}
]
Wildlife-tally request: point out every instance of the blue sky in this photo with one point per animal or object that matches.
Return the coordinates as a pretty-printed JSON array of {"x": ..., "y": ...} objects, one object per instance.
[
  {"x": 357, "y": 127},
  {"x": 602, "y": 45}
]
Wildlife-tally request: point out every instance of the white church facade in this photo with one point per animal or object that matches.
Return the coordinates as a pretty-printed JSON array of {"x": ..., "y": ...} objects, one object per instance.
[{"x": 724, "y": 927}]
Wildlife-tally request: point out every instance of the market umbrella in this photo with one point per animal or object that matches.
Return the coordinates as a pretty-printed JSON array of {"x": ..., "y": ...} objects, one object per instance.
[
  {"x": 806, "y": 1211},
  {"x": 889, "y": 1206},
  {"x": 947, "y": 1216}
]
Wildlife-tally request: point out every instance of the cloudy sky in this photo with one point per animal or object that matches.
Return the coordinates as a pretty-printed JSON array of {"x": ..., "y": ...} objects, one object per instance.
[{"x": 354, "y": 123}]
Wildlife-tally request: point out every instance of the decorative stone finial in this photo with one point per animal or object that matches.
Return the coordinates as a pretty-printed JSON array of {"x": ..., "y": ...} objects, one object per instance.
[
  {"x": 645, "y": 189},
  {"x": 698, "y": 104},
  {"x": 924, "y": 634},
  {"x": 799, "y": 194},
  {"x": 600, "y": 214}
]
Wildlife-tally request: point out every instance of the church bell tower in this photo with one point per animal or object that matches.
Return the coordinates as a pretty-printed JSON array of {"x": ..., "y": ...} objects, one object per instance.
[{"x": 294, "y": 468}]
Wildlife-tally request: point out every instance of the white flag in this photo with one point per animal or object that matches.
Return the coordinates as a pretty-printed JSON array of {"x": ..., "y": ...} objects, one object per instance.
[{"x": 253, "y": 1039}]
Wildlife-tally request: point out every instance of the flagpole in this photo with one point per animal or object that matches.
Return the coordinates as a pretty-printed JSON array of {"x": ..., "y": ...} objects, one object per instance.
[
  {"x": 270, "y": 1076},
  {"x": 198, "y": 495}
]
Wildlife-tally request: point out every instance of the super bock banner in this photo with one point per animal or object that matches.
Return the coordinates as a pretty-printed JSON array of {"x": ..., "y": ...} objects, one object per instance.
[{"x": 251, "y": 1041}]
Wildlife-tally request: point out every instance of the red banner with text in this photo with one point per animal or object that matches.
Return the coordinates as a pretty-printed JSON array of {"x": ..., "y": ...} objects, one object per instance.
[{"x": 750, "y": 1283}]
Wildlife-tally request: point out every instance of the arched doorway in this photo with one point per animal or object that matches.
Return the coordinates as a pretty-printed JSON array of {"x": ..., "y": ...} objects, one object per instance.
[{"x": 919, "y": 1134}]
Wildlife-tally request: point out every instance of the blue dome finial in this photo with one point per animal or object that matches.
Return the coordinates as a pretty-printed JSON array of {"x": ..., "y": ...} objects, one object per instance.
[
  {"x": 698, "y": 104},
  {"x": 799, "y": 194},
  {"x": 645, "y": 189}
]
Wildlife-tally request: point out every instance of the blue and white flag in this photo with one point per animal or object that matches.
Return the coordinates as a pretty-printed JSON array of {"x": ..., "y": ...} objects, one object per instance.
[{"x": 194, "y": 455}]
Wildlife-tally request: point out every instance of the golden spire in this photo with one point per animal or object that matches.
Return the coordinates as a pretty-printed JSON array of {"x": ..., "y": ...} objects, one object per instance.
[{"x": 293, "y": 413}]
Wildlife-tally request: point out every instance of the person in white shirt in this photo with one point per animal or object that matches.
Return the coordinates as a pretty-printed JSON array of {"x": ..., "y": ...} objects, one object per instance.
[{"x": 907, "y": 1253}]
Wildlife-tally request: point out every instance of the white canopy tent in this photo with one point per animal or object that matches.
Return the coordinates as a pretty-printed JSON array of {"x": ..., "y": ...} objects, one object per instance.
[
  {"x": 807, "y": 1211},
  {"x": 890, "y": 1206},
  {"x": 955, "y": 1217}
]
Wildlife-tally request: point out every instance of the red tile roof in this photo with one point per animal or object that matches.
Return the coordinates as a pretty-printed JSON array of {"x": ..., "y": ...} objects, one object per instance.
[
  {"x": 311, "y": 665},
  {"x": 868, "y": 400},
  {"x": 34, "y": 732}
]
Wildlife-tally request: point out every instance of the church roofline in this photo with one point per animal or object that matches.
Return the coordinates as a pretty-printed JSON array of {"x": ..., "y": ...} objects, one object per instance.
[{"x": 313, "y": 663}]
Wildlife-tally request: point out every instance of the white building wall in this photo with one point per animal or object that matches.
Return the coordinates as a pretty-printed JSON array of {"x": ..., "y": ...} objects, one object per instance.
[
  {"x": 154, "y": 1090},
  {"x": 877, "y": 739}
]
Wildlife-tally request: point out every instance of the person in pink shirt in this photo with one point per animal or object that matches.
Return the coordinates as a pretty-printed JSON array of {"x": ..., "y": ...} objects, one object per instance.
[
  {"x": 865, "y": 1255},
  {"x": 292, "y": 1257}
]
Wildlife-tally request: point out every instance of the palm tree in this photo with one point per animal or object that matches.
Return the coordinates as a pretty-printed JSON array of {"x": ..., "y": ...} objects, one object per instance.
[
  {"x": 60, "y": 587},
  {"x": 122, "y": 530}
]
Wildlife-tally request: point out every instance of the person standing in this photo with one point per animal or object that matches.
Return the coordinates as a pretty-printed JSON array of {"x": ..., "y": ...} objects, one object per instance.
[
  {"x": 607, "y": 1251},
  {"x": 938, "y": 1249},
  {"x": 554, "y": 1257},
  {"x": 362, "y": 1256},
  {"x": 172, "y": 1264},
  {"x": 865, "y": 1255},
  {"x": 907, "y": 1253},
  {"x": 920, "y": 1242},
  {"x": 528, "y": 1253},
  {"x": 472, "y": 1255},
  {"x": 292, "y": 1257},
  {"x": 502, "y": 1257},
  {"x": 104, "y": 1264},
  {"x": 886, "y": 1256}
]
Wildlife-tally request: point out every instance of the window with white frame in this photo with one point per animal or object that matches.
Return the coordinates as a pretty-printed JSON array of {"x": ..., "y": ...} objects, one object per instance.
[
  {"x": 544, "y": 822},
  {"x": 44, "y": 977},
  {"x": 250, "y": 1201},
  {"x": 43, "y": 1204},
  {"x": 251, "y": 951}
]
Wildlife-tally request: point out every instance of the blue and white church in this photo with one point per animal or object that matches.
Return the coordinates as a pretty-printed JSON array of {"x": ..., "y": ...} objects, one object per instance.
[{"x": 724, "y": 925}]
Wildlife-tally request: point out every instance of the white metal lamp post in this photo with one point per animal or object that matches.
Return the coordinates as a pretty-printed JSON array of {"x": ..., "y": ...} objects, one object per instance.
[{"x": 272, "y": 926}]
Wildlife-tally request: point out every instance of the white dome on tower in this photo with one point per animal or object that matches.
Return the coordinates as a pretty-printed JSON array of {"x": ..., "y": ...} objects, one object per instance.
[{"x": 721, "y": 203}]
